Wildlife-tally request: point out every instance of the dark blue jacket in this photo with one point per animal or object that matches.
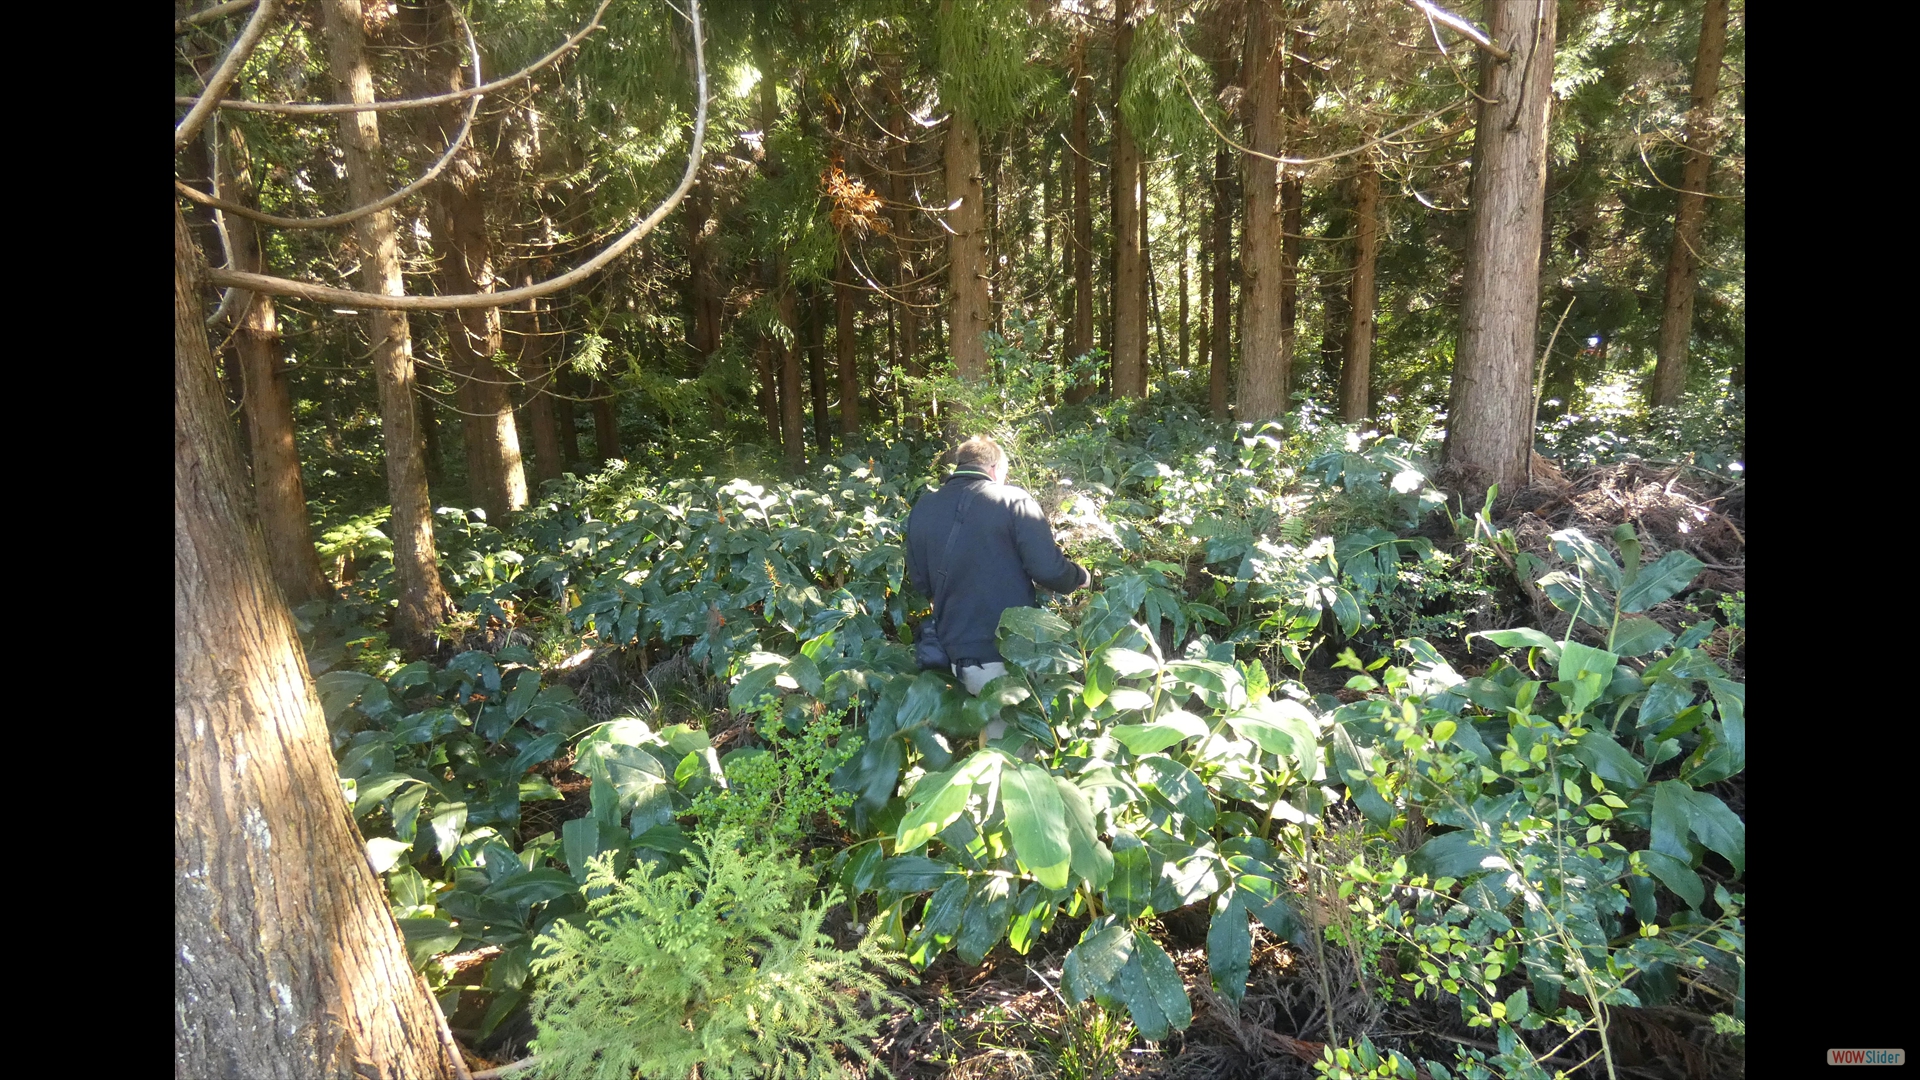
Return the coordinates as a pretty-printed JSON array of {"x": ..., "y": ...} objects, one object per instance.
[{"x": 1002, "y": 550}]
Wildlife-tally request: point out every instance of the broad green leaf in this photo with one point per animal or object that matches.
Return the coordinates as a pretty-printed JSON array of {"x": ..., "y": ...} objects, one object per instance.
[
  {"x": 1595, "y": 563},
  {"x": 542, "y": 748},
  {"x": 1675, "y": 874},
  {"x": 1036, "y": 820},
  {"x": 1130, "y": 891},
  {"x": 428, "y": 938},
  {"x": 945, "y": 800},
  {"x": 1662, "y": 578},
  {"x": 863, "y": 866},
  {"x": 914, "y": 873},
  {"x": 1610, "y": 761},
  {"x": 1638, "y": 637},
  {"x": 754, "y": 685},
  {"x": 1672, "y": 803},
  {"x": 532, "y": 887},
  {"x": 1152, "y": 989},
  {"x": 1089, "y": 859},
  {"x": 1181, "y": 789},
  {"x": 406, "y": 811},
  {"x": 1174, "y": 726},
  {"x": 1717, "y": 827},
  {"x": 1230, "y": 945},
  {"x": 448, "y": 824},
  {"x": 383, "y": 852},
  {"x": 1216, "y": 683},
  {"x": 1524, "y": 637},
  {"x": 1127, "y": 663},
  {"x": 373, "y": 790},
  {"x": 1628, "y": 541},
  {"x": 1093, "y": 965},
  {"x": 1589, "y": 670},
  {"x": 1282, "y": 726},
  {"x": 922, "y": 701},
  {"x": 1101, "y": 680},
  {"x": 944, "y": 908},
  {"x": 1571, "y": 594},
  {"x": 805, "y": 674},
  {"x": 988, "y": 913},
  {"x": 1127, "y": 698},
  {"x": 1455, "y": 855},
  {"x": 1033, "y": 624}
]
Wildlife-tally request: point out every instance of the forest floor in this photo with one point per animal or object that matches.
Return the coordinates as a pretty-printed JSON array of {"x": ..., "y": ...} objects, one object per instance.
[{"x": 1004, "y": 1017}]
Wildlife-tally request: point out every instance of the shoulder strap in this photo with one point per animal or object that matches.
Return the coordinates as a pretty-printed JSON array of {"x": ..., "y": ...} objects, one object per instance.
[{"x": 959, "y": 516}]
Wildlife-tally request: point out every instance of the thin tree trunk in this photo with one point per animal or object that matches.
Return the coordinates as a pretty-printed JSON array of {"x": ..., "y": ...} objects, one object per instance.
[
  {"x": 1356, "y": 372},
  {"x": 902, "y": 189},
  {"x": 533, "y": 351},
  {"x": 1220, "y": 363},
  {"x": 457, "y": 214},
  {"x": 1150, "y": 309},
  {"x": 843, "y": 346},
  {"x": 1082, "y": 210},
  {"x": 763, "y": 363},
  {"x": 278, "y": 491},
  {"x": 1292, "y": 196},
  {"x": 606, "y": 427},
  {"x": 1490, "y": 409},
  {"x": 1265, "y": 353},
  {"x": 568, "y": 422},
  {"x": 1129, "y": 265},
  {"x": 287, "y": 961},
  {"x": 817, "y": 370},
  {"x": 1180, "y": 237},
  {"x": 793, "y": 423},
  {"x": 966, "y": 247},
  {"x": 1690, "y": 215},
  {"x": 996, "y": 289},
  {"x": 423, "y": 603}
]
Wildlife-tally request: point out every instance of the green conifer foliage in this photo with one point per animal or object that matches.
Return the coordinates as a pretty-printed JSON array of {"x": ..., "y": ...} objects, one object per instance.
[{"x": 720, "y": 964}]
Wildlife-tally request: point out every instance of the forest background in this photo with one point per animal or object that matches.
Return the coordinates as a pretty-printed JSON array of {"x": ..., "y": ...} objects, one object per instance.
[{"x": 596, "y": 400}]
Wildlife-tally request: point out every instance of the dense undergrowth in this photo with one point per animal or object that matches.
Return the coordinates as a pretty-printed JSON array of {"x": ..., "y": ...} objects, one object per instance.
[{"x": 1307, "y": 701}]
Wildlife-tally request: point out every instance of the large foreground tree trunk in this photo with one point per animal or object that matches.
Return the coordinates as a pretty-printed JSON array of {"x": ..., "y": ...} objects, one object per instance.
[
  {"x": 278, "y": 491},
  {"x": 287, "y": 962},
  {"x": 1129, "y": 261},
  {"x": 1264, "y": 345},
  {"x": 1689, "y": 220},
  {"x": 423, "y": 599},
  {"x": 1356, "y": 370},
  {"x": 967, "y": 248},
  {"x": 1490, "y": 410}
]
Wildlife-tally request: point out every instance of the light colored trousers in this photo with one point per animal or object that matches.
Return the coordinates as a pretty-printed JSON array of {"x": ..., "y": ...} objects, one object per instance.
[{"x": 977, "y": 676}]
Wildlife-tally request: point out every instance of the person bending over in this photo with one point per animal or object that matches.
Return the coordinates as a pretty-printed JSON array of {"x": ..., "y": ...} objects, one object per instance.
[{"x": 978, "y": 546}]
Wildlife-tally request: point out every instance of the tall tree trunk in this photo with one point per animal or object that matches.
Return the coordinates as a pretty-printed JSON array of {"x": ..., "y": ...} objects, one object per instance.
[
  {"x": 1689, "y": 219},
  {"x": 996, "y": 293},
  {"x": 793, "y": 436},
  {"x": 1292, "y": 196},
  {"x": 288, "y": 963},
  {"x": 278, "y": 492},
  {"x": 1129, "y": 260},
  {"x": 457, "y": 215},
  {"x": 769, "y": 372},
  {"x": 423, "y": 602},
  {"x": 606, "y": 425},
  {"x": 1490, "y": 409},
  {"x": 1180, "y": 238},
  {"x": 1151, "y": 309},
  {"x": 817, "y": 370},
  {"x": 1356, "y": 372},
  {"x": 966, "y": 248},
  {"x": 901, "y": 193},
  {"x": 1265, "y": 348},
  {"x": 567, "y": 419},
  {"x": 533, "y": 349},
  {"x": 1082, "y": 199},
  {"x": 1220, "y": 363},
  {"x": 843, "y": 346}
]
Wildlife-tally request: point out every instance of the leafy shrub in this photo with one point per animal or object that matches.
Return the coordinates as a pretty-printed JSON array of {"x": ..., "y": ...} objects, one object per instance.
[
  {"x": 721, "y": 964},
  {"x": 775, "y": 795}
]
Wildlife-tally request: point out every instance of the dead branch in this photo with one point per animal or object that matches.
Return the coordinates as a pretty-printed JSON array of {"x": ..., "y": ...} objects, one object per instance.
[
  {"x": 345, "y": 217},
  {"x": 224, "y": 75},
  {"x": 181, "y": 26},
  {"x": 279, "y": 286},
  {"x": 316, "y": 108},
  {"x": 1470, "y": 31}
]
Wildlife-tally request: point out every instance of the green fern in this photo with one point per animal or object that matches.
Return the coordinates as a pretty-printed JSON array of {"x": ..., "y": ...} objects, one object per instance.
[{"x": 721, "y": 964}]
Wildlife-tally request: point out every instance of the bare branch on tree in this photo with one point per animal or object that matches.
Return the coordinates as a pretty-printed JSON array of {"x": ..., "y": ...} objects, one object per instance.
[
  {"x": 181, "y": 26},
  {"x": 279, "y": 286},
  {"x": 358, "y": 212},
  {"x": 224, "y": 75},
  {"x": 323, "y": 108},
  {"x": 1473, "y": 33}
]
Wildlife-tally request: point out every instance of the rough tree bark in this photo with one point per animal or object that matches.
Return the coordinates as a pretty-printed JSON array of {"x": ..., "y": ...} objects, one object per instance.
[
  {"x": 278, "y": 492},
  {"x": 423, "y": 602},
  {"x": 606, "y": 427},
  {"x": 1180, "y": 237},
  {"x": 1082, "y": 199},
  {"x": 533, "y": 351},
  {"x": 901, "y": 190},
  {"x": 967, "y": 248},
  {"x": 1690, "y": 215},
  {"x": 793, "y": 437},
  {"x": 1129, "y": 261},
  {"x": 843, "y": 345},
  {"x": 1219, "y": 365},
  {"x": 1490, "y": 408},
  {"x": 288, "y": 965},
  {"x": 1356, "y": 369},
  {"x": 817, "y": 369},
  {"x": 456, "y": 212},
  {"x": 1264, "y": 346}
]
